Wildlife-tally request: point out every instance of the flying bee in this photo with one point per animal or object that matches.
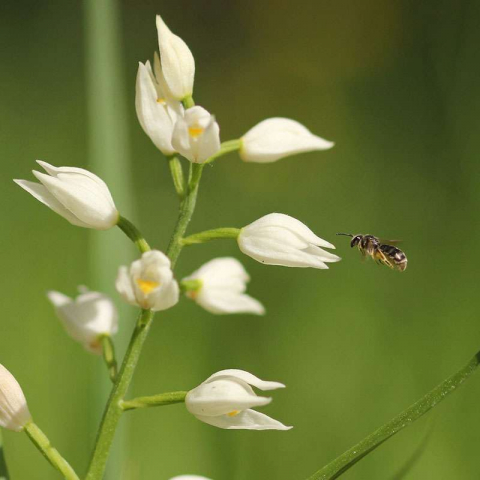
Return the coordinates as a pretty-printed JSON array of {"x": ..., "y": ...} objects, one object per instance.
[{"x": 381, "y": 251}]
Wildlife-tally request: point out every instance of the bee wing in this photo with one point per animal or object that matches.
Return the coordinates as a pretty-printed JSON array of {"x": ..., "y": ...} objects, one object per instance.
[{"x": 390, "y": 242}]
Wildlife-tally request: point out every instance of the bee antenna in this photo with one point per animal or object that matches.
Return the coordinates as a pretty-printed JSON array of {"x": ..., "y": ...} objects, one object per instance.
[{"x": 345, "y": 234}]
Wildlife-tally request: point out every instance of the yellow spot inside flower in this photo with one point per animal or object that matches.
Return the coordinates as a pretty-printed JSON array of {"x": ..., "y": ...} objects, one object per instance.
[
  {"x": 195, "y": 131},
  {"x": 146, "y": 286},
  {"x": 233, "y": 413},
  {"x": 161, "y": 100}
]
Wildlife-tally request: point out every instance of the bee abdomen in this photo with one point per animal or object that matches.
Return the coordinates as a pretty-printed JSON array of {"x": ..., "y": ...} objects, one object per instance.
[{"x": 395, "y": 255}]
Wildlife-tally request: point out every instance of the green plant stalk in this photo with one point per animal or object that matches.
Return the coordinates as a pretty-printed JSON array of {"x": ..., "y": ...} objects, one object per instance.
[
  {"x": 159, "y": 400},
  {"x": 226, "y": 147},
  {"x": 177, "y": 175},
  {"x": 190, "y": 285},
  {"x": 41, "y": 441},
  {"x": 342, "y": 463},
  {"x": 113, "y": 409},
  {"x": 207, "y": 235},
  {"x": 132, "y": 232},
  {"x": 188, "y": 102},
  {"x": 108, "y": 351},
  {"x": 187, "y": 207}
]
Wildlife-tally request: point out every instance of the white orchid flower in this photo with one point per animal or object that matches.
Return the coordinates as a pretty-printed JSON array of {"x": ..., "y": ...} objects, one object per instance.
[
  {"x": 74, "y": 193},
  {"x": 197, "y": 135},
  {"x": 178, "y": 64},
  {"x": 276, "y": 138},
  {"x": 225, "y": 399},
  {"x": 221, "y": 288},
  {"x": 149, "y": 282},
  {"x": 157, "y": 110},
  {"x": 14, "y": 414},
  {"x": 278, "y": 239},
  {"x": 86, "y": 318}
]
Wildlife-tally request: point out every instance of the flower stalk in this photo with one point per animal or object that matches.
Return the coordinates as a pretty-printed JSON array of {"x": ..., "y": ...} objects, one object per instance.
[
  {"x": 345, "y": 461},
  {"x": 187, "y": 208},
  {"x": 207, "y": 235},
  {"x": 113, "y": 410},
  {"x": 108, "y": 350},
  {"x": 177, "y": 176},
  {"x": 132, "y": 232},
  {"x": 41, "y": 441},
  {"x": 226, "y": 147},
  {"x": 159, "y": 400}
]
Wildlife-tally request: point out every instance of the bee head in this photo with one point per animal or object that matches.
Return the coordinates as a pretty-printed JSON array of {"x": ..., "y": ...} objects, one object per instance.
[{"x": 355, "y": 240}]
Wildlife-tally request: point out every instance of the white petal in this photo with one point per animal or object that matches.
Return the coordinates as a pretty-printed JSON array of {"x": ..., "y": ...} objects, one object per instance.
[
  {"x": 43, "y": 195},
  {"x": 178, "y": 65},
  {"x": 270, "y": 252},
  {"x": 89, "y": 205},
  {"x": 246, "y": 377},
  {"x": 246, "y": 420},
  {"x": 79, "y": 176},
  {"x": 209, "y": 142},
  {"x": 123, "y": 284},
  {"x": 221, "y": 396},
  {"x": 152, "y": 115},
  {"x": 275, "y": 138},
  {"x": 167, "y": 298},
  {"x": 181, "y": 138},
  {"x": 14, "y": 412},
  {"x": 292, "y": 224},
  {"x": 221, "y": 302}
]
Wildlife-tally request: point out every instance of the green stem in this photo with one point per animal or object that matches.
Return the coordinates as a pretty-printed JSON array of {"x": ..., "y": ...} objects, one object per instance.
[
  {"x": 190, "y": 285},
  {"x": 177, "y": 175},
  {"x": 108, "y": 350},
  {"x": 113, "y": 410},
  {"x": 188, "y": 102},
  {"x": 41, "y": 441},
  {"x": 226, "y": 147},
  {"x": 207, "y": 235},
  {"x": 154, "y": 400},
  {"x": 187, "y": 208},
  {"x": 342, "y": 463},
  {"x": 132, "y": 232}
]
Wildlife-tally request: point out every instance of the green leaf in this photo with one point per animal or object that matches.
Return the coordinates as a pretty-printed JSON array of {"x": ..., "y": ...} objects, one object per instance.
[
  {"x": 348, "y": 459},
  {"x": 3, "y": 463}
]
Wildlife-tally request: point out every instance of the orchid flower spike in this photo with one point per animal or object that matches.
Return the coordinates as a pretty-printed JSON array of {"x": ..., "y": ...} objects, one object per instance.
[
  {"x": 219, "y": 287},
  {"x": 276, "y": 138},
  {"x": 86, "y": 318},
  {"x": 278, "y": 239},
  {"x": 197, "y": 135},
  {"x": 14, "y": 413},
  {"x": 148, "y": 282},
  {"x": 157, "y": 109},
  {"x": 74, "y": 193},
  {"x": 225, "y": 399},
  {"x": 178, "y": 64}
]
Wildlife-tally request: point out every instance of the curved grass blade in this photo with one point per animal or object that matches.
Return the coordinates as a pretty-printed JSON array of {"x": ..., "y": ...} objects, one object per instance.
[
  {"x": 3, "y": 463},
  {"x": 349, "y": 458}
]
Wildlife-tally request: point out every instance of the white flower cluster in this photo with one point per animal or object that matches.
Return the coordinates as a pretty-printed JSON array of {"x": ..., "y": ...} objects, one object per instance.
[{"x": 166, "y": 112}]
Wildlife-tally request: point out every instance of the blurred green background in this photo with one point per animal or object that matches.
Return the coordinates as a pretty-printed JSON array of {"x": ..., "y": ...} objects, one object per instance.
[{"x": 396, "y": 85}]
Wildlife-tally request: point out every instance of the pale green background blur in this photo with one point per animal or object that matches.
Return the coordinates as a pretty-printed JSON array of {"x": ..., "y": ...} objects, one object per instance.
[{"x": 396, "y": 85}]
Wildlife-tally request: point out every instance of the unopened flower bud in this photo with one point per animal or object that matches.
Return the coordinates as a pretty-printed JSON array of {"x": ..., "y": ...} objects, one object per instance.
[{"x": 14, "y": 414}]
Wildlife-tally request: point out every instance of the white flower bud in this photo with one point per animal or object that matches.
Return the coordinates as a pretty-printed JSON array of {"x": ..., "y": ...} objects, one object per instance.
[
  {"x": 197, "y": 135},
  {"x": 14, "y": 414},
  {"x": 225, "y": 398},
  {"x": 87, "y": 317},
  {"x": 278, "y": 239},
  {"x": 157, "y": 110},
  {"x": 276, "y": 138},
  {"x": 74, "y": 193},
  {"x": 178, "y": 64},
  {"x": 223, "y": 282},
  {"x": 149, "y": 282}
]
